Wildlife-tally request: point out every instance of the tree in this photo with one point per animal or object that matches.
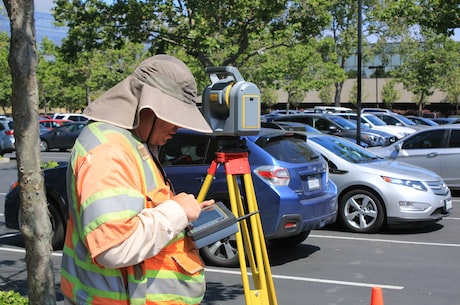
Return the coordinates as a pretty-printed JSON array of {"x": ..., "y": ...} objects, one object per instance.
[
  {"x": 390, "y": 94},
  {"x": 343, "y": 30},
  {"x": 268, "y": 97},
  {"x": 36, "y": 227},
  {"x": 296, "y": 69},
  {"x": 441, "y": 16},
  {"x": 326, "y": 94},
  {"x": 423, "y": 64},
  {"x": 72, "y": 85},
  {"x": 5, "y": 74},
  {"x": 353, "y": 95},
  {"x": 450, "y": 81},
  {"x": 212, "y": 33}
]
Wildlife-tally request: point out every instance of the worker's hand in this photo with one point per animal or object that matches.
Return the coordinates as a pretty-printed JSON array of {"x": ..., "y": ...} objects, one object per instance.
[{"x": 190, "y": 205}]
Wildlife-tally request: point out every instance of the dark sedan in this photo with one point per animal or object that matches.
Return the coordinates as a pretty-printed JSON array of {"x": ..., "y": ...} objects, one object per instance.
[{"x": 62, "y": 137}]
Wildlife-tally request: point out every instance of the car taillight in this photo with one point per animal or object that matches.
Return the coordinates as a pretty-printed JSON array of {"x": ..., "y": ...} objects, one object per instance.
[
  {"x": 13, "y": 185},
  {"x": 9, "y": 132},
  {"x": 275, "y": 175}
]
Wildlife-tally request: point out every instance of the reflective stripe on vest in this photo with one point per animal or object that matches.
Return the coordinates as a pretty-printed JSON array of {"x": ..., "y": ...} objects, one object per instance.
[{"x": 173, "y": 276}]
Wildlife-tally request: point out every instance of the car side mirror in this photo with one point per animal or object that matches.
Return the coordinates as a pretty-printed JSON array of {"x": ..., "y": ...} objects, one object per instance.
[
  {"x": 333, "y": 128},
  {"x": 398, "y": 146}
]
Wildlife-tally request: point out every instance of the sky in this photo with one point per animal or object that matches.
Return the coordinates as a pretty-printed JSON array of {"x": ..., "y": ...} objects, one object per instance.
[{"x": 43, "y": 6}]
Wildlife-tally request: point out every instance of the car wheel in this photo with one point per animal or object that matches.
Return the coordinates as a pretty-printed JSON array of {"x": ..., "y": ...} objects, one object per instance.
[
  {"x": 290, "y": 241},
  {"x": 223, "y": 253},
  {"x": 44, "y": 146},
  {"x": 361, "y": 211},
  {"x": 57, "y": 225}
]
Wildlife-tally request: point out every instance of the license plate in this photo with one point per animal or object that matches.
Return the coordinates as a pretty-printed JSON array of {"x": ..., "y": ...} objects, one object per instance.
[
  {"x": 448, "y": 204},
  {"x": 313, "y": 183}
]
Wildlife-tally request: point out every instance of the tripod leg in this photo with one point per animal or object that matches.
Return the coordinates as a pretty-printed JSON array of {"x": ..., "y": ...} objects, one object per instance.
[
  {"x": 237, "y": 209},
  {"x": 264, "y": 274},
  {"x": 250, "y": 239},
  {"x": 207, "y": 182}
]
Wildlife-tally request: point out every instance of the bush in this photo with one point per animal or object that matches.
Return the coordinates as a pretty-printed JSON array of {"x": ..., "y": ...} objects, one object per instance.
[{"x": 12, "y": 298}]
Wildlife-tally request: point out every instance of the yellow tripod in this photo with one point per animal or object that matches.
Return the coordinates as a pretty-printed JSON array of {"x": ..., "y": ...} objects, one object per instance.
[{"x": 250, "y": 238}]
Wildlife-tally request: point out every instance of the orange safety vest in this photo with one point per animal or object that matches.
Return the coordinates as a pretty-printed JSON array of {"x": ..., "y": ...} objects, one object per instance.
[{"x": 104, "y": 199}]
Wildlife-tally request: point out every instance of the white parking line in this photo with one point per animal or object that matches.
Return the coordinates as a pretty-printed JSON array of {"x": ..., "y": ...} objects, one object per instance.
[
  {"x": 18, "y": 250},
  {"x": 281, "y": 277},
  {"x": 451, "y": 218},
  {"x": 314, "y": 280},
  {"x": 385, "y": 240}
]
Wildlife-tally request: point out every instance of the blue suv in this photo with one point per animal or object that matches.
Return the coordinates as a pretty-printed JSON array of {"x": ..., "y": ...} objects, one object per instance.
[{"x": 291, "y": 182}]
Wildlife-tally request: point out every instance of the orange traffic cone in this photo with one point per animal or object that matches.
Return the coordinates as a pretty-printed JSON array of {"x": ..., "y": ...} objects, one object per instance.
[{"x": 377, "y": 296}]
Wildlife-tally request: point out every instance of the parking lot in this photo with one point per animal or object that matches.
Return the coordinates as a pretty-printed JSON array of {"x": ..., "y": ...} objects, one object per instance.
[{"x": 413, "y": 266}]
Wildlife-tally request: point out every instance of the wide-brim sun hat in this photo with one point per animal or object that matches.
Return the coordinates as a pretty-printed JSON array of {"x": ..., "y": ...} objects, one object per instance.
[{"x": 162, "y": 83}]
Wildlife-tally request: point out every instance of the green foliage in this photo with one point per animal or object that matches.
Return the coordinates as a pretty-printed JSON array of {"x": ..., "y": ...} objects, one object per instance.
[
  {"x": 12, "y": 298},
  {"x": 72, "y": 85},
  {"x": 450, "y": 81},
  {"x": 268, "y": 97},
  {"x": 441, "y": 16},
  {"x": 49, "y": 164},
  {"x": 294, "y": 46},
  {"x": 5, "y": 74},
  {"x": 215, "y": 33},
  {"x": 423, "y": 65},
  {"x": 390, "y": 94},
  {"x": 326, "y": 94}
]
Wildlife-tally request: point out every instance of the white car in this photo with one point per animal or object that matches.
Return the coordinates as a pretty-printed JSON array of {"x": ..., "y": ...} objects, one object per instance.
[
  {"x": 372, "y": 121},
  {"x": 76, "y": 117},
  {"x": 374, "y": 192}
]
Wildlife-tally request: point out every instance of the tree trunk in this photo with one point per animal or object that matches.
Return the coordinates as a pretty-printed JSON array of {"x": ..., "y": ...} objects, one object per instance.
[
  {"x": 36, "y": 226},
  {"x": 338, "y": 92}
]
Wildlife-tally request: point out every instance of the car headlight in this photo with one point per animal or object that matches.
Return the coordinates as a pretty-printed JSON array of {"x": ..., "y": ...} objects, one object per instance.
[
  {"x": 405, "y": 182},
  {"x": 401, "y": 135},
  {"x": 375, "y": 140}
]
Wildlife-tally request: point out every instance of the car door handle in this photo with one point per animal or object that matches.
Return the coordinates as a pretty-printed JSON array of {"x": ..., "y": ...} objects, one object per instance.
[{"x": 432, "y": 155}]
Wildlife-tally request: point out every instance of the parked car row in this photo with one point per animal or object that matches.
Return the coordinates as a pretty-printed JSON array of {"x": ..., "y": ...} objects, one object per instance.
[
  {"x": 375, "y": 192},
  {"x": 432, "y": 147},
  {"x": 62, "y": 139},
  {"x": 339, "y": 126},
  {"x": 304, "y": 178},
  {"x": 291, "y": 181}
]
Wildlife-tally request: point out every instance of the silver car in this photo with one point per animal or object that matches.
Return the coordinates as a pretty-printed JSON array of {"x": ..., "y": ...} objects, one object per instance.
[
  {"x": 374, "y": 192},
  {"x": 436, "y": 148},
  {"x": 7, "y": 143}
]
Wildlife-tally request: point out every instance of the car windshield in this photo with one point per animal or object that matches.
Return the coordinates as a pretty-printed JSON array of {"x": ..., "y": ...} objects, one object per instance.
[
  {"x": 375, "y": 120},
  {"x": 405, "y": 120},
  {"x": 345, "y": 149},
  {"x": 289, "y": 149},
  {"x": 343, "y": 123}
]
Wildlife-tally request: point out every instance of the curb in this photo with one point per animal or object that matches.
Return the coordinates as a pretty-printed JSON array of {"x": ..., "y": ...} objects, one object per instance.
[{"x": 4, "y": 160}]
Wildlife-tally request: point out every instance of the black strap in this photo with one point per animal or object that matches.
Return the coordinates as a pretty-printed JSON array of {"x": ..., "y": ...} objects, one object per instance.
[{"x": 163, "y": 173}]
